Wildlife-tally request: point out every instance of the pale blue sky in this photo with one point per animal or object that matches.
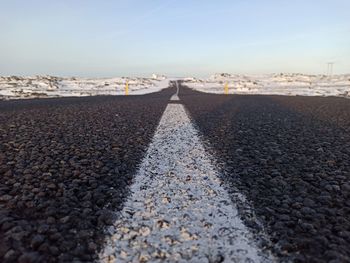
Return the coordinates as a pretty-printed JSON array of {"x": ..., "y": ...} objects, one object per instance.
[{"x": 100, "y": 38}]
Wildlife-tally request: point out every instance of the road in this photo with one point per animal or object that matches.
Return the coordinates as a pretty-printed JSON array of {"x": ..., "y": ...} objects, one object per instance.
[
  {"x": 178, "y": 210},
  {"x": 97, "y": 178},
  {"x": 65, "y": 167},
  {"x": 290, "y": 157}
]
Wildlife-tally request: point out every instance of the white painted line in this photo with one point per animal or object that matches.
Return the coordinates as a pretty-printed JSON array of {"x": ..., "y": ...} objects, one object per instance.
[
  {"x": 178, "y": 211},
  {"x": 177, "y": 88},
  {"x": 174, "y": 98}
]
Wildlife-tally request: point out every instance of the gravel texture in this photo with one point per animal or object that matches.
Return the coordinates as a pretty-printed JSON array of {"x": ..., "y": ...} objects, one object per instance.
[
  {"x": 290, "y": 157},
  {"x": 178, "y": 210},
  {"x": 66, "y": 165}
]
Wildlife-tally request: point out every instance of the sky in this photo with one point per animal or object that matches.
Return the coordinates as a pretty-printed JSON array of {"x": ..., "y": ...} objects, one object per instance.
[{"x": 105, "y": 38}]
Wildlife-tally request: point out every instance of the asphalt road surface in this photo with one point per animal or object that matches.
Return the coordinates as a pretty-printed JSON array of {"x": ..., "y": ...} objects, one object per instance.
[
  {"x": 290, "y": 157},
  {"x": 65, "y": 167},
  {"x": 196, "y": 178}
]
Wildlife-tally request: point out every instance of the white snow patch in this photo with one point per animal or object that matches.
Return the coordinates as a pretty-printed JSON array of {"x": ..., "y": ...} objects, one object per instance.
[
  {"x": 275, "y": 84},
  {"x": 47, "y": 86}
]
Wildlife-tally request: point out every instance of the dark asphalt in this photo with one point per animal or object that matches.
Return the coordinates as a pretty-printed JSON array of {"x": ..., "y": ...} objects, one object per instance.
[
  {"x": 66, "y": 164},
  {"x": 65, "y": 167},
  {"x": 290, "y": 156}
]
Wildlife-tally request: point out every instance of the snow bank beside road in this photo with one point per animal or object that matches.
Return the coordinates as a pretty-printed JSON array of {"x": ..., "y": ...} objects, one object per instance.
[
  {"x": 48, "y": 86},
  {"x": 275, "y": 84}
]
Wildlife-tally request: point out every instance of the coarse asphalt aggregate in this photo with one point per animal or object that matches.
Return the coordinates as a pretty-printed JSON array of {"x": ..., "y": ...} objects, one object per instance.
[
  {"x": 290, "y": 157},
  {"x": 65, "y": 167}
]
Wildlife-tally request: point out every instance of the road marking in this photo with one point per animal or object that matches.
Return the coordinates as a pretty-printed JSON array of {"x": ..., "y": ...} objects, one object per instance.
[
  {"x": 177, "y": 88},
  {"x": 178, "y": 211},
  {"x": 175, "y": 97}
]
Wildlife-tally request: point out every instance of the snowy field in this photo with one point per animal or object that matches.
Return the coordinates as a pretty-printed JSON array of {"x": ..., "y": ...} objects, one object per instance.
[
  {"x": 48, "y": 86},
  {"x": 14, "y": 87},
  {"x": 275, "y": 84}
]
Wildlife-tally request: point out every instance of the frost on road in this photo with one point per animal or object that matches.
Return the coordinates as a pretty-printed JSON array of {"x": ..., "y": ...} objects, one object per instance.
[{"x": 178, "y": 211}]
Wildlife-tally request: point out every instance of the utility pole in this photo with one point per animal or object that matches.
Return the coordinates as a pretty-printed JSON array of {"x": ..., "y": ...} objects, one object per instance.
[{"x": 330, "y": 69}]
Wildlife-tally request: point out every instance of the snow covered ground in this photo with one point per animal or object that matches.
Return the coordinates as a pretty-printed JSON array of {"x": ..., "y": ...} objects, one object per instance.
[
  {"x": 48, "y": 86},
  {"x": 277, "y": 84}
]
